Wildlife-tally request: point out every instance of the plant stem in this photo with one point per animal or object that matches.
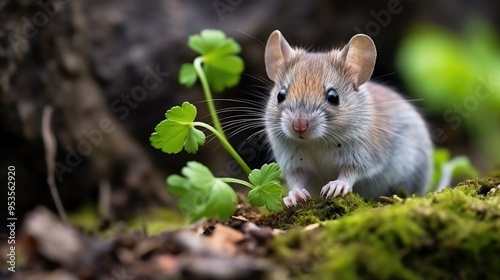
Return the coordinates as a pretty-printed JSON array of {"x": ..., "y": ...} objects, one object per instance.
[
  {"x": 237, "y": 181},
  {"x": 226, "y": 146},
  {"x": 208, "y": 95}
]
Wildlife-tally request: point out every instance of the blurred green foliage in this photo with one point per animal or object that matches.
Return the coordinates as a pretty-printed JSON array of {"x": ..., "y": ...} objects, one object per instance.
[
  {"x": 88, "y": 219},
  {"x": 458, "y": 76},
  {"x": 447, "y": 168}
]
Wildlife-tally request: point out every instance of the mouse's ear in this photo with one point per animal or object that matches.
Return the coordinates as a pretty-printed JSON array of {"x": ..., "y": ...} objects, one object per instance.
[
  {"x": 360, "y": 54},
  {"x": 277, "y": 52}
]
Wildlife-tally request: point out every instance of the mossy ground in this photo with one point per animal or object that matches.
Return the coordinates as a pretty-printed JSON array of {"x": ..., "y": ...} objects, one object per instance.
[
  {"x": 318, "y": 209},
  {"x": 453, "y": 234}
]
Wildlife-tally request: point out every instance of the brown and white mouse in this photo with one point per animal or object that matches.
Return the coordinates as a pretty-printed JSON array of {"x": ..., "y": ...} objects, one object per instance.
[{"x": 332, "y": 131}]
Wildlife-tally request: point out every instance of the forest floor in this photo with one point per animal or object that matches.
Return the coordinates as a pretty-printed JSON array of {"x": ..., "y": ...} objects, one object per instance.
[{"x": 453, "y": 234}]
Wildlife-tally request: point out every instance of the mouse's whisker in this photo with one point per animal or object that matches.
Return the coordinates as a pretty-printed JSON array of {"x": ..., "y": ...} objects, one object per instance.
[
  {"x": 209, "y": 139},
  {"x": 248, "y": 121},
  {"x": 239, "y": 111},
  {"x": 236, "y": 122},
  {"x": 231, "y": 121},
  {"x": 253, "y": 109},
  {"x": 402, "y": 101},
  {"x": 239, "y": 100},
  {"x": 259, "y": 79},
  {"x": 257, "y": 134},
  {"x": 266, "y": 88},
  {"x": 241, "y": 128},
  {"x": 235, "y": 100},
  {"x": 261, "y": 94},
  {"x": 240, "y": 116},
  {"x": 329, "y": 143},
  {"x": 234, "y": 113},
  {"x": 234, "y": 133},
  {"x": 392, "y": 132},
  {"x": 382, "y": 76}
]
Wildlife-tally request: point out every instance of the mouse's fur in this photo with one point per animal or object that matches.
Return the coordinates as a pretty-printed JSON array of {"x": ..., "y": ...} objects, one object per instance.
[{"x": 373, "y": 142}]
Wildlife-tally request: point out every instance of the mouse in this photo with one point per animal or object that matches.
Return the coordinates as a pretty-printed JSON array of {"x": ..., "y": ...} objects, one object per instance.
[{"x": 333, "y": 131}]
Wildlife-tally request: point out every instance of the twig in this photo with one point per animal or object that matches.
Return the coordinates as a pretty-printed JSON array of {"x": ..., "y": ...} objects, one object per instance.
[
  {"x": 49, "y": 141},
  {"x": 105, "y": 199}
]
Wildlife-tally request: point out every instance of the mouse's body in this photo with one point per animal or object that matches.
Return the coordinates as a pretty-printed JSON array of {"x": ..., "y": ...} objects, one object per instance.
[{"x": 332, "y": 131}]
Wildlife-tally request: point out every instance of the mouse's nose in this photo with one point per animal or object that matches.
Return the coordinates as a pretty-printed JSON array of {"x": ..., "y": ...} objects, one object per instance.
[{"x": 300, "y": 123}]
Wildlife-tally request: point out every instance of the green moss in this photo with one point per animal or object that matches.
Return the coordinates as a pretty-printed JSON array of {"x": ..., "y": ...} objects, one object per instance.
[
  {"x": 317, "y": 209},
  {"x": 480, "y": 186},
  {"x": 86, "y": 218},
  {"x": 454, "y": 234},
  {"x": 158, "y": 221}
]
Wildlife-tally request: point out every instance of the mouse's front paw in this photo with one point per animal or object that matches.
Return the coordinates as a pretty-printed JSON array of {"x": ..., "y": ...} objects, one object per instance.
[
  {"x": 336, "y": 188},
  {"x": 295, "y": 196}
]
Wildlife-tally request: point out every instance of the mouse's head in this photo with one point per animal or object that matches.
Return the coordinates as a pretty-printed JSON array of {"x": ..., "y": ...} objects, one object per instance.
[{"x": 317, "y": 95}]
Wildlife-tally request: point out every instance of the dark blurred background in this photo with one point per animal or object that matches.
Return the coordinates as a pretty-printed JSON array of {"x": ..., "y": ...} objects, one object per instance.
[{"x": 85, "y": 59}]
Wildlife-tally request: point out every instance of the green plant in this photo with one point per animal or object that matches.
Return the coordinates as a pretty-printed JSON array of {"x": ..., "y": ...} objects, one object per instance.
[
  {"x": 457, "y": 77},
  {"x": 200, "y": 193},
  {"x": 447, "y": 168},
  {"x": 218, "y": 66}
]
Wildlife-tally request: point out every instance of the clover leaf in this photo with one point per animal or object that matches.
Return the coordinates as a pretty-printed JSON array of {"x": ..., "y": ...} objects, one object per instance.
[
  {"x": 187, "y": 75},
  {"x": 177, "y": 131},
  {"x": 221, "y": 64},
  {"x": 267, "y": 190},
  {"x": 201, "y": 194}
]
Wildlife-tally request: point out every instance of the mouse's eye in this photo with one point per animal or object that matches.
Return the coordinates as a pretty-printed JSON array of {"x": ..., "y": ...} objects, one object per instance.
[
  {"x": 281, "y": 95},
  {"x": 332, "y": 96}
]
